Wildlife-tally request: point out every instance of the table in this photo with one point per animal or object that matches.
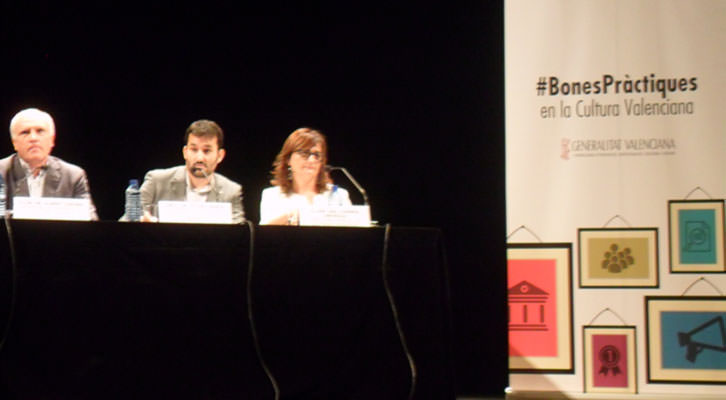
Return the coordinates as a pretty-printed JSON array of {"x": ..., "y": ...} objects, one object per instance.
[{"x": 128, "y": 310}]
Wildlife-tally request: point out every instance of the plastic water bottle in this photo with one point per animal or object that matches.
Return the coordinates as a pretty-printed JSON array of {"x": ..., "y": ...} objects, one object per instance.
[
  {"x": 133, "y": 201},
  {"x": 2, "y": 197}
]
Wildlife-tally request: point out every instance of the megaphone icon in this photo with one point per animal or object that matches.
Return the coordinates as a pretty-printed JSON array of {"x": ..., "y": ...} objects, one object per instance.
[{"x": 693, "y": 348}]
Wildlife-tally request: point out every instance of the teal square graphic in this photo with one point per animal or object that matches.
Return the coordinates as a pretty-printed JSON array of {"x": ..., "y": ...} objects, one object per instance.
[
  {"x": 693, "y": 340},
  {"x": 697, "y": 236}
]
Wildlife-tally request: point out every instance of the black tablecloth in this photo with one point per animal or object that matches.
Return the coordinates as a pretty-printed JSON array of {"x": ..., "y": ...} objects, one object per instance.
[{"x": 120, "y": 310}]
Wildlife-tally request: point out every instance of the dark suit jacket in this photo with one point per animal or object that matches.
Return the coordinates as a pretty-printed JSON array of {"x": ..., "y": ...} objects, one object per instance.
[
  {"x": 171, "y": 184},
  {"x": 62, "y": 179}
]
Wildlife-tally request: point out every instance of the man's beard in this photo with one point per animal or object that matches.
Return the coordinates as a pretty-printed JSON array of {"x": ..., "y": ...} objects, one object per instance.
[{"x": 199, "y": 171}]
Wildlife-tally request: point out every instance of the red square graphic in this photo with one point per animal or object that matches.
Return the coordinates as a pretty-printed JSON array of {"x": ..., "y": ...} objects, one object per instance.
[{"x": 532, "y": 302}]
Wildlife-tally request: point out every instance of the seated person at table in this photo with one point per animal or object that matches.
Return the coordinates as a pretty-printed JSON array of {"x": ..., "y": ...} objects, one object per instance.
[
  {"x": 32, "y": 171},
  {"x": 300, "y": 180},
  {"x": 195, "y": 181}
]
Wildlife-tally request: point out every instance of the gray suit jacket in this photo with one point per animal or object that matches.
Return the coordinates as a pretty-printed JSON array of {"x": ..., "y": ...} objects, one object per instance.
[
  {"x": 62, "y": 179},
  {"x": 171, "y": 184}
]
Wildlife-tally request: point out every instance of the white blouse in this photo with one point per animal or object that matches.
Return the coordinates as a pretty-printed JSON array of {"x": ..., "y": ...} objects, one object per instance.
[{"x": 275, "y": 203}]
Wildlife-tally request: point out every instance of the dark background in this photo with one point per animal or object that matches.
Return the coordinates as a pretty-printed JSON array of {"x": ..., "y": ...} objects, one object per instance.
[{"x": 410, "y": 96}]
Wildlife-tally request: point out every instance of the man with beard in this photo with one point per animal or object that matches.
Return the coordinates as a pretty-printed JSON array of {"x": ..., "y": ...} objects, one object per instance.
[{"x": 195, "y": 181}]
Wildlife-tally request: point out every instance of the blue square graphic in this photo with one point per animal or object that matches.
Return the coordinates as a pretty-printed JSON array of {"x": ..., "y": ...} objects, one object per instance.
[
  {"x": 693, "y": 340},
  {"x": 697, "y": 236}
]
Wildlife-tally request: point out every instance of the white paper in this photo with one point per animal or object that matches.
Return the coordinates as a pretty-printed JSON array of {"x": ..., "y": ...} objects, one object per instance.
[
  {"x": 53, "y": 208},
  {"x": 336, "y": 216},
  {"x": 195, "y": 212}
]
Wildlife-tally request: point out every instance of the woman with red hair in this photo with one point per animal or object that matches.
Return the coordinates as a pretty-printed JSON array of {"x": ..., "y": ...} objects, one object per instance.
[{"x": 300, "y": 180}]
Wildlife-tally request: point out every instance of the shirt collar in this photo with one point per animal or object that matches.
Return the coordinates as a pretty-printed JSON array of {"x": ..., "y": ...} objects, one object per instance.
[
  {"x": 29, "y": 171},
  {"x": 202, "y": 190}
]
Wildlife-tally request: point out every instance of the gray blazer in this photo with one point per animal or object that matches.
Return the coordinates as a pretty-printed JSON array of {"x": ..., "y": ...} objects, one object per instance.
[
  {"x": 62, "y": 179},
  {"x": 171, "y": 184}
]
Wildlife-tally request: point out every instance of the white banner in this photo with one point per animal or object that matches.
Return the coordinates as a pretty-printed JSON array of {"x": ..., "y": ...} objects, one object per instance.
[{"x": 613, "y": 108}]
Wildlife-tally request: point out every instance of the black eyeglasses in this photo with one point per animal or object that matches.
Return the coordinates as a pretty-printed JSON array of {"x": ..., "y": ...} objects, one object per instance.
[{"x": 307, "y": 153}]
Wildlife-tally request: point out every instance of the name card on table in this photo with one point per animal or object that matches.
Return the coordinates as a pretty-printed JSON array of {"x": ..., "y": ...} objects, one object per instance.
[
  {"x": 54, "y": 208},
  {"x": 195, "y": 212},
  {"x": 336, "y": 216}
]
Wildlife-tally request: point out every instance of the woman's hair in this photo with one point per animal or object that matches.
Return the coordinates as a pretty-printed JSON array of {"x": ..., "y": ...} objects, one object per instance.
[{"x": 300, "y": 139}]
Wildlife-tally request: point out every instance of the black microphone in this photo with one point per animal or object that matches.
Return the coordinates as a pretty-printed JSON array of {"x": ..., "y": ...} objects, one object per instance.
[{"x": 350, "y": 177}]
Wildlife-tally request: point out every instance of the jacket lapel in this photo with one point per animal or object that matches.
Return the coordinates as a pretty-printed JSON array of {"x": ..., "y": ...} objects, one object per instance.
[
  {"x": 20, "y": 183},
  {"x": 52, "y": 179},
  {"x": 217, "y": 191},
  {"x": 178, "y": 185}
]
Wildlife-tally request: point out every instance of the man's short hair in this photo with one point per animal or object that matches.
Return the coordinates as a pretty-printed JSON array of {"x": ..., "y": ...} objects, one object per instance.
[
  {"x": 33, "y": 113},
  {"x": 205, "y": 128}
]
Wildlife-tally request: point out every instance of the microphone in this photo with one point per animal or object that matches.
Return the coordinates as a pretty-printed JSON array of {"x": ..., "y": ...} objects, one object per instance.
[{"x": 350, "y": 177}]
